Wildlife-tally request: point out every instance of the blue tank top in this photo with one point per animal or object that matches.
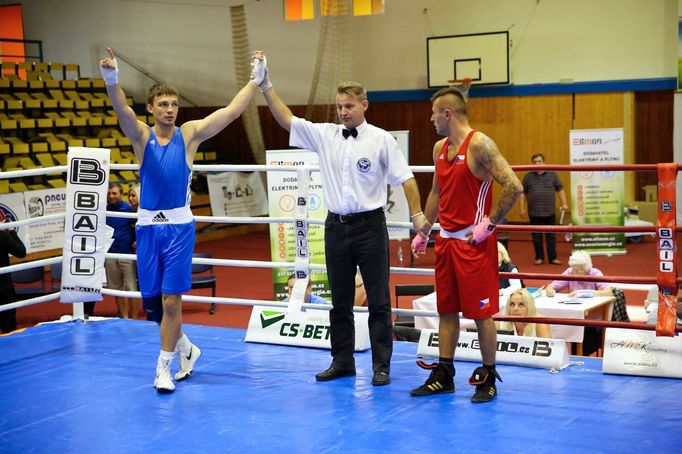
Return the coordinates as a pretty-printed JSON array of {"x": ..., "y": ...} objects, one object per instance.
[{"x": 164, "y": 174}]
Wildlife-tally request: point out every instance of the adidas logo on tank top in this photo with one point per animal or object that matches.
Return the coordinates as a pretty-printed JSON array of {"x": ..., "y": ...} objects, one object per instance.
[{"x": 160, "y": 217}]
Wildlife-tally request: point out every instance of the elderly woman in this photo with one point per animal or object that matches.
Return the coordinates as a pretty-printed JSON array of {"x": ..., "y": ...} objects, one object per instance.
[
  {"x": 504, "y": 264},
  {"x": 522, "y": 304},
  {"x": 580, "y": 265}
]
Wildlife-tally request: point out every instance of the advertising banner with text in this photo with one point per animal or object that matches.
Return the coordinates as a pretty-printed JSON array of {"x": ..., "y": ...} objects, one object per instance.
[{"x": 597, "y": 197}]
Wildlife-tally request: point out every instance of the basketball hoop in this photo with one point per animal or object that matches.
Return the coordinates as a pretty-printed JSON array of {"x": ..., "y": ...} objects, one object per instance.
[{"x": 462, "y": 85}]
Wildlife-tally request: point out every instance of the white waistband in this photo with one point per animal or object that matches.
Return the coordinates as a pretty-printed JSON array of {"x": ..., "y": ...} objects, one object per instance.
[
  {"x": 181, "y": 215},
  {"x": 458, "y": 235}
]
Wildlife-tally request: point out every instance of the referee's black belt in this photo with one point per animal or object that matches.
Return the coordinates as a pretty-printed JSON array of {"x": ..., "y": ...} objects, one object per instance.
[{"x": 352, "y": 217}]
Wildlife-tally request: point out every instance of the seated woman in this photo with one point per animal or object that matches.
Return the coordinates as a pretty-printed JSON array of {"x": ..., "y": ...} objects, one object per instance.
[
  {"x": 580, "y": 265},
  {"x": 522, "y": 304},
  {"x": 504, "y": 264}
]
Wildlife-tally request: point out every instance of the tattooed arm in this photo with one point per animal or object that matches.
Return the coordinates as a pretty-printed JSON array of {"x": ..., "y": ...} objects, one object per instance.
[{"x": 491, "y": 164}]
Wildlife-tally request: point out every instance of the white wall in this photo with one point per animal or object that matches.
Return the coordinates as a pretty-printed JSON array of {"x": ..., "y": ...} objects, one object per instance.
[{"x": 188, "y": 42}]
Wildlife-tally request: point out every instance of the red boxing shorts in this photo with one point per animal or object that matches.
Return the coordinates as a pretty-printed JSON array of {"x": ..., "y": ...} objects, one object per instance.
[{"x": 467, "y": 277}]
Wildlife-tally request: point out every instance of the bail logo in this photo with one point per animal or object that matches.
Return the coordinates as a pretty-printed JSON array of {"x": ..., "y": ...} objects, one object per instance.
[{"x": 86, "y": 171}]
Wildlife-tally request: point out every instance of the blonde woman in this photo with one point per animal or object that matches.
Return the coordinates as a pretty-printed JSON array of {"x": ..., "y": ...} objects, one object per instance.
[
  {"x": 505, "y": 264},
  {"x": 522, "y": 304}
]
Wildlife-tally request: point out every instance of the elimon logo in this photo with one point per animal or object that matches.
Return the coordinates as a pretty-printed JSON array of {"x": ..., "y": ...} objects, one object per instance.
[
  {"x": 287, "y": 163},
  {"x": 268, "y": 318},
  {"x": 583, "y": 141}
]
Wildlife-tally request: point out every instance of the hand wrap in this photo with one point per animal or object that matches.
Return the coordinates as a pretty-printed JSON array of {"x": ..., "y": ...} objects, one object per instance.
[
  {"x": 110, "y": 75},
  {"x": 483, "y": 230}
]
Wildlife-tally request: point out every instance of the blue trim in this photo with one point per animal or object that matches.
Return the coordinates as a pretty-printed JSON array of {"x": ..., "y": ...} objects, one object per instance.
[{"x": 663, "y": 83}]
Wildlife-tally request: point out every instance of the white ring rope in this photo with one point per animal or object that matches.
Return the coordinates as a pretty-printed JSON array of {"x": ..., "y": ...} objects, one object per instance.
[{"x": 214, "y": 261}]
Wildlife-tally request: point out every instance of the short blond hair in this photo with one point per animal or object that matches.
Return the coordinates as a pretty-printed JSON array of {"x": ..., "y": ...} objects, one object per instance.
[{"x": 352, "y": 88}]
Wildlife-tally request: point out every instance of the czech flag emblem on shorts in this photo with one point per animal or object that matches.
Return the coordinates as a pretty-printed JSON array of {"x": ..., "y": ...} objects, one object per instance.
[{"x": 484, "y": 304}]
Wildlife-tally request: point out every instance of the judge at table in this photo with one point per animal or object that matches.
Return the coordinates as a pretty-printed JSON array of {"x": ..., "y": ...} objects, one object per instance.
[{"x": 580, "y": 265}]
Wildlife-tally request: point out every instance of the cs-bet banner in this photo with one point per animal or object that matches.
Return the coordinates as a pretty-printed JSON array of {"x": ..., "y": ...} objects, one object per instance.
[
  {"x": 302, "y": 329},
  {"x": 85, "y": 242},
  {"x": 597, "y": 197}
]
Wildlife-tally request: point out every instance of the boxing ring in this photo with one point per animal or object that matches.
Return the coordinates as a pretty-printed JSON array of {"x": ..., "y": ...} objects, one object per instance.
[{"x": 86, "y": 386}]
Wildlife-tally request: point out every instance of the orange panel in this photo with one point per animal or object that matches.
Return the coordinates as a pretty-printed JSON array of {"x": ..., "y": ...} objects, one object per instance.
[
  {"x": 292, "y": 9},
  {"x": 12, "y": 26}
]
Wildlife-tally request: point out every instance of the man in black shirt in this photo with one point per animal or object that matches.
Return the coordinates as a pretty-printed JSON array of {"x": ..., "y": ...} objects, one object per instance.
[
  {"x": 538, "y": 192},
  {"x": 9, "y": 244}
]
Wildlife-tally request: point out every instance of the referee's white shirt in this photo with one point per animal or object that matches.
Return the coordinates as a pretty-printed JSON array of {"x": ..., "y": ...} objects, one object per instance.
[{"x": 355, "y": 171}]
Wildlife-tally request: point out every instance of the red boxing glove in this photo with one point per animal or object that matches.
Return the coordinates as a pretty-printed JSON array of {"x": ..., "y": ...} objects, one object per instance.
[
  {"x": 482, "y": 230},
  {"x": 419, "y": 243}
]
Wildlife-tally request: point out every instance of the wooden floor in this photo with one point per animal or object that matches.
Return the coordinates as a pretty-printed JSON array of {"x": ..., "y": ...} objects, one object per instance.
[{"x": 640, "y": 260}]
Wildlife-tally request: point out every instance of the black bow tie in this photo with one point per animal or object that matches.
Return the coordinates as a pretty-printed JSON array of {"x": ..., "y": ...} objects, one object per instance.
[{"x": 349, "y": 132}]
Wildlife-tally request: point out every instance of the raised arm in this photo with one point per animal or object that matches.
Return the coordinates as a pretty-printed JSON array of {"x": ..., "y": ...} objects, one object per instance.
[
  {"x": 201, "y": 130},
  {"x": 130, "y": 125},
  {"x": 279, "y": 110}
]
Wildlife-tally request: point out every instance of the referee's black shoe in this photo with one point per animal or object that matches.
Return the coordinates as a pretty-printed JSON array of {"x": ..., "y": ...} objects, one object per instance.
[{"x": 333, "y": 373}]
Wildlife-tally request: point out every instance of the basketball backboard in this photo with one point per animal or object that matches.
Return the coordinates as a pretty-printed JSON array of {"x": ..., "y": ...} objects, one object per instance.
[{"x": 483, "y": 57}]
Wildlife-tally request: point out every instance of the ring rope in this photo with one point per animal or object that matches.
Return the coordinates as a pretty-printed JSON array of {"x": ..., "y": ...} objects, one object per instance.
[
  {"x": 580, "y": 322},
  {"x": 398, "y": 270}
]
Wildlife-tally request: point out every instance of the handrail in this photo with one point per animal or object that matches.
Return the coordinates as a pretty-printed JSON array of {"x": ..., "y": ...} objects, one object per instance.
[
  {"x": 148, "y": 74},
  {"x": 25, "y": 41}
]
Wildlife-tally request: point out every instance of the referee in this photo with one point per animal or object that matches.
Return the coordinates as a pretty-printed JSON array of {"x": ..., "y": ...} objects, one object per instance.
[{"x": 357, "y": 160}]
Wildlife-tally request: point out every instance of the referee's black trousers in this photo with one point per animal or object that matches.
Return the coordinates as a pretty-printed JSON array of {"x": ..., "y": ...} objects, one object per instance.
[{"x": 360, "y": 241}]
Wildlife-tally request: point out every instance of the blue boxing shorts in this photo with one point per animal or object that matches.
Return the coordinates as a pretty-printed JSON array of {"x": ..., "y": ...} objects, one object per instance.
[{"x": 164, "y": 258}]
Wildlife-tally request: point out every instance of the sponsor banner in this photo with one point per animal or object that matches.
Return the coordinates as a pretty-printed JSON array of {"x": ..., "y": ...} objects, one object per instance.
[
  {"x": 517, "y": 350},
  {"x": 397, "y": 209},
  {"x": 638, "y": 352},
  {"x": 12, "y": 209},
  {"x": 597, "y": 197},
  {"x": 283, "y": 193},
  {"x": 45, "y": 235},
  {"x": 302, "y": 329},
  {"x": 85, "y": 241},
  {"x": 666, "y": 276},
  {"x": 237, "y": 194}
]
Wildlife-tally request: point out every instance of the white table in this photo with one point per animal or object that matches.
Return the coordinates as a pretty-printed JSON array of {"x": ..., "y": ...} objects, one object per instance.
[{"x": 597, "y": 308}]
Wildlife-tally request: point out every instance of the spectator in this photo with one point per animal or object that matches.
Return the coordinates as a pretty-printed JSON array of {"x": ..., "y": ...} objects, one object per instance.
[
  {"x": 538, "y": 193},
  {"x": 310, "y": 297},
  {"x": 121, "y": 274},
  {"x": 521, "y": 304},
  {"x": 652, "y": 306},
  {"x": 505, "y": 265},
  {"x": 9, "y": 244},
  {"x": 360, "y": 292},
  {"x": 580, "y": 265},
  {"x": 134, "y": 197}
]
